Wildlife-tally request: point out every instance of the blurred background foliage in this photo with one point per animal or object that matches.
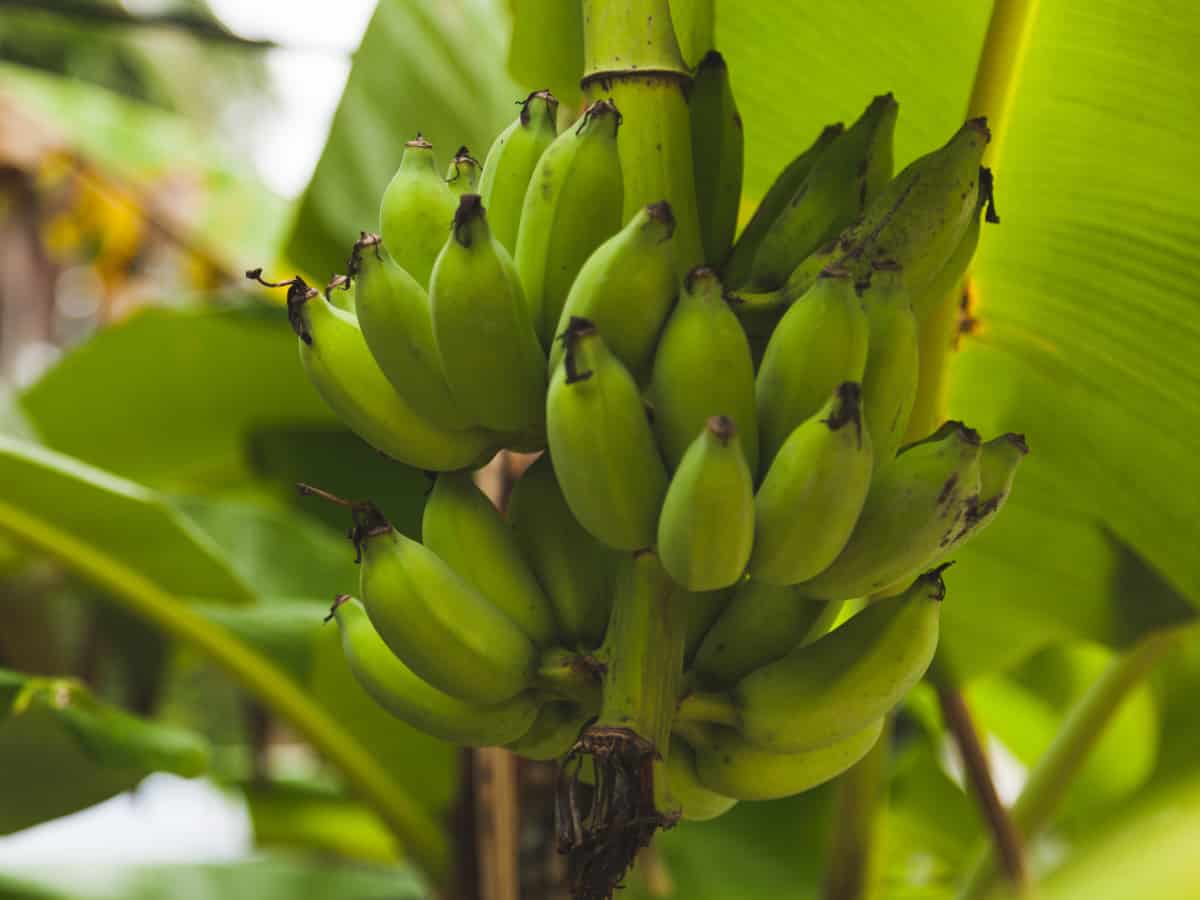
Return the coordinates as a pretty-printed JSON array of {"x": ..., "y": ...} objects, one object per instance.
[{"x": 157, "y": 569}]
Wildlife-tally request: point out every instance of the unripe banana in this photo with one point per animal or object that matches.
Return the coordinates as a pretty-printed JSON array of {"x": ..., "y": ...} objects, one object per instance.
[
  {"x": 572, "y": 205},
  {"x": 552, "y": 733},
  {"x": 835, "y": 686},
  {"x": 573, "y": 568},
  {"x": 393, "y": 312},
  {"x": 893, "y": 366},
  {"x": 820, "y": 342},
  {"x": 951, "y": 274},
  {"x": 704, "y": 609},
  {"x": 706, "y": 527},
  {"x": 702, "y": 368},
  {"x": 998, "y": 461},
  {"x": 762, "y": 623},
  {"x": 728, "y": 763},
  {"x": 461, "y": 526},
  {"x": 510, "y": 163},
  {"x": 911, "y": 514},
  {"x": 813, "y": 493},
  {"x": 717, "y": 149},
  {"x": 340, "y": 366},
  {"x": 626, "y": 288},
  {"x": 463, "y": 174},
  {"x": 416, "y": 210},
  {"x": 847, "y": 177},
  {"x": 603, "y": 450},
  {"x": 404, "y": 694},
  {"x": 736, "y": 269},
  {"x": 441, "y": 627},
  {"x": 699, "y": 803},
  {"x": 919, "y": 219},
  {"x": 485, "y": 337}
]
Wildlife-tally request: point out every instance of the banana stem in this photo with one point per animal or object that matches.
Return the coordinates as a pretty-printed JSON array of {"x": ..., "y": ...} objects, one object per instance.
[
  {"x": 705, "y": 706},
  {"x": 856, "y": 853},
  {"x": 1084, "y": 725},
  {"x": 631, "y": 55}
]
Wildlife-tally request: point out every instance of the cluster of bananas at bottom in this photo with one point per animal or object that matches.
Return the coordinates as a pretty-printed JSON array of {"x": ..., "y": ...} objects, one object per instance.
[{"x": 742, "y": 433}]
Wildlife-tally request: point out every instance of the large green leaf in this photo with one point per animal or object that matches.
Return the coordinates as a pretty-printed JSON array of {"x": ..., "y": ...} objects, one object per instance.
[
  {"x": 271, "y": 878},
  {"x": 1086, "y": 294},
  {"x": 118, "y": 519},
  {"x": 424, "y": 66},
  {"x": 62, "y": 750}
]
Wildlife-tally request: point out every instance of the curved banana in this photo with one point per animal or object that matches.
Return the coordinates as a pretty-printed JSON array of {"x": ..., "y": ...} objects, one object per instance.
[
  {"x": 820, "y": 342},
  {"x": 812, "y": 495},
  {"x": 393, "y": 312},
  {"x": 846, "y": 177},
  {"x": 463, "y": 174},
  {"x": 951, "y": 274},
  {"x": 699, "y": 802},
  {"x": 893, "y": 366},
  {"x": 485, "y": 337},
  {"x": 706, "y": 527},
  {"x": 837, "y": 685},
  {"x": 911, "y": 513},
  {"x": 340, "y": 366},
  {"x": 573, "y": 568},
  {"x": 572, "y": 205},
  {"x": 603, "y": 450},
  {"x": 441, "y": 627},
  {"x": 762, "y": 623},
  {"x": 717, "y": 149},
  {"x": 626, "y": 288},
  {"x": 728, "y": 763},
  {"x": 552, "y": 733},
  {"x": 400, "y": 691},
  {"x": 415, "y": 212},
  {"x": 462, "y": 527},
  {"x": 735, "y": 270},
  {"x": 702, "y": 368},
  {"x": 510, "y": 162},
  {"x": 919, "y": 219}
]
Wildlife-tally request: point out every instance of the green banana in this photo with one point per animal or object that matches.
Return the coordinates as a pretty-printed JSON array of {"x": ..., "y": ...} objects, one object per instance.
[
  {"x": 807, "y": 504},
  {"x": 699, "y": 803},
  {"x": 731, "y": 765},
  {"x": 717, "y": 150},
  {"x": 393, "y": 312},
  {"x": 706, "y": 527},
  {"x": 702, "y": 367},
  {"x": 485, "y": 337},
  {"x": 510, "y": 163},
  {"x": 340, "y": 366},
  {"x": 837, "y": 685},
  {"x": 951, "y": 274},
  {"x": 919, "y": 219},
  {"x": 911, "y": 514},
  {"x": 403, "y": 693},
  {"x": 461, "y": 526},
  {"x": 552, "y": 733},
  {"x": 820, "y": 342},
  {"x": 463, "y": 174},
  {"x": 706, "y": 608},
  {"x": 998, "y": 462},
  {"x": 416, "y": 210},
  {"x": 735, "y": 270},
  {"x": 844, "y": 180},
  {"x": 572, "y": 205},
  {"x": 762, "y": 623},
  {"x": 442, "y": 628},
  {"x": 603, "y": 450},
  {"x": 573, "y": 568},
  {"x": 626, "y": 288},
  {"x": 893, "y": 366}
]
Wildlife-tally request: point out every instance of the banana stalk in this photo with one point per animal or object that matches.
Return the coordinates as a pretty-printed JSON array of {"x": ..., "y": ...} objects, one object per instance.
[{"x": 632, "y": 57}]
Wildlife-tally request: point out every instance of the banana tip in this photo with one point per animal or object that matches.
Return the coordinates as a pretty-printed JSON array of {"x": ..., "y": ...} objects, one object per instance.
[
  {"x": 419, "y": 143},
  {"x": 722, "y": 428},
  {"x": 337, "y": 602}
]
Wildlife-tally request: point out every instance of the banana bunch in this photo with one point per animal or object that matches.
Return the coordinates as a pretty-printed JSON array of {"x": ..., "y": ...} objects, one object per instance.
[{"x": 726, "y": 455}]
